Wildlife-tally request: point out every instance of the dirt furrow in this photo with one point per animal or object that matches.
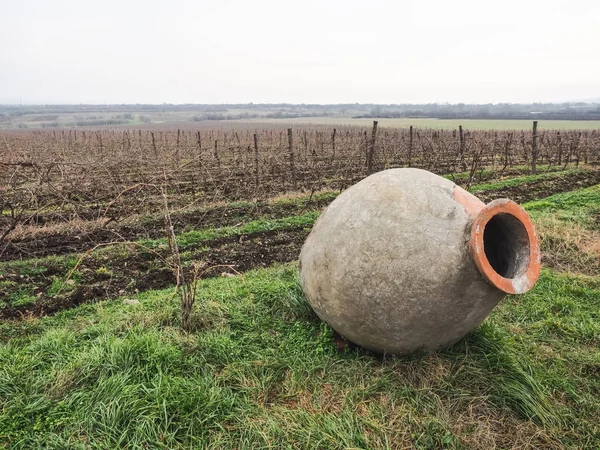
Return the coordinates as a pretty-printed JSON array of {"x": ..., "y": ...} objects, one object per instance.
[
  {"x": 539, "y": 189},
  {"x": 81, "y": 240},
  {"x": 107, "y": 277}
]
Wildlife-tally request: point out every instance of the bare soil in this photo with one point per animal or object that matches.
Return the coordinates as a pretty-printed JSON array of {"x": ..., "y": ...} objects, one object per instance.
[
  {"x": 82, "y": 239},
  {"x": 139, "y": 271},
  {"x": 538, "y": 189},
  {"x": 104, "y": 277}
]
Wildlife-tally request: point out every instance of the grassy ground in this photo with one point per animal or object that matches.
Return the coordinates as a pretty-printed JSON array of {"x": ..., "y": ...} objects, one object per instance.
[
  {"x": 88, "y": 116},
  {"x": 27, "y": 281},
  {"x": 447, "y": 124},
  {"x": 141, "y": 265},
  {"x": 260, "y": 370},
  {"x": 569, "y": 225},
  {"x": 517, "y": 181}
]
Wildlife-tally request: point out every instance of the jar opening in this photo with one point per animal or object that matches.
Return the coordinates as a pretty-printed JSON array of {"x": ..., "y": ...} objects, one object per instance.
[{"x": 505, "y": 247}]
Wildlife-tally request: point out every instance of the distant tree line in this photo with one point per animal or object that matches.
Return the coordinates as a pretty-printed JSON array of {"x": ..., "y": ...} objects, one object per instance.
[
  {"x": 547, "y": 111},
  {"x": 245, "y": 115}
]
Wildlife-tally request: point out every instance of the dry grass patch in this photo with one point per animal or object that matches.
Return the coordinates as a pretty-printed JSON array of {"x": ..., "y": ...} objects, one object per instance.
[{"x": 569, "y": 248}]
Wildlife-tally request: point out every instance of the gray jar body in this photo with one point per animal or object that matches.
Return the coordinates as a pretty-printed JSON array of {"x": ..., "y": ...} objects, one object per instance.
[{"x": 388, "y": 265}]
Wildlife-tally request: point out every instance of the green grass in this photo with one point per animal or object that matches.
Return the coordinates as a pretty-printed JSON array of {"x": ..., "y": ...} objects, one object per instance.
[
  {"x": 15, "y": 294},
  {"x": 516, "y": 181},
  {"x": 569, "y": 226},
  {"x": 491, "y": 173},
  {"x": 33, "y": 273},
  {"x": 447, "y": 124},
  {"x": 571, "y": 210},
  {"x": 261, "y": 371},
  {"x": 581, "y": 207},
  {"x": 563, "y": 207},
  {"x": 195, "y": 237}
]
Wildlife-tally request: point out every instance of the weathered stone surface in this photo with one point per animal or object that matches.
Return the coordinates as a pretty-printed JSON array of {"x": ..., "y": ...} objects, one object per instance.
[{"x": 388, "y": 265}]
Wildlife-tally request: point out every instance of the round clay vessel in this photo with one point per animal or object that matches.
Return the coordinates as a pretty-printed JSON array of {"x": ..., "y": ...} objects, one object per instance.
[{"x": 406, "y": 260}]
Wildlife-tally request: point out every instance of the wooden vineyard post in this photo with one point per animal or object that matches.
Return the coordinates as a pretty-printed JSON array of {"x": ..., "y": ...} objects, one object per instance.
[
  {"x": 177, "y": 160},
  {"x": 291, "y": 149},
  {"x": 371, "y": 153},
  {"x": 139, "y": 144},
  {"x": 461, "y": 150},
  {"x": 494, "y": 151},
  {"x": 595, "y": 153},
  {"x": 256, "y": 160},
  {"x": 98, "y": 135},
  {"x": 560, "y": 147},
  {"x": 333, "y": 145},
  {"x": 366, "y": 144},
  {"x": 410, "y": 145},
  {"x": 199, "y": 142},
  {"x": 534, "y": 148},
  {"x": 154, "y": 144},
  {"x": 305, "y": 143},
  {"x": 578, "y": 153},
  {"x": 217, "y": 158}
]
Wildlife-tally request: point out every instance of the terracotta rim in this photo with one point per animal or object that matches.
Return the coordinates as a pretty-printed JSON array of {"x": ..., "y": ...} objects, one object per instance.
[{"x": 525, "y": 277}]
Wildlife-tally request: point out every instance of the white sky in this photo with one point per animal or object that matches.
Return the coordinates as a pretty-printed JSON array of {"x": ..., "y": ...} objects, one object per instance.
[{"x": 326, "y": 51}]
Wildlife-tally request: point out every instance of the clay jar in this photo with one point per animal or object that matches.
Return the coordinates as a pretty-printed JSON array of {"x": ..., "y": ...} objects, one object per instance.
[{"x": 406, "y": 260}]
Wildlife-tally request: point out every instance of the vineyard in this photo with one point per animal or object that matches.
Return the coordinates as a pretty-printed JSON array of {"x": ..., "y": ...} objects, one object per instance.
[
  {"x": 108, "y": 175},
  {"x": 67, "y": 192},
  {"x": 86, "y": 259}
]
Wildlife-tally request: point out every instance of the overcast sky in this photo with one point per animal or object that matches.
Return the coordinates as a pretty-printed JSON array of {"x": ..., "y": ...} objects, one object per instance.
[{"x": 325, "y": 51}]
